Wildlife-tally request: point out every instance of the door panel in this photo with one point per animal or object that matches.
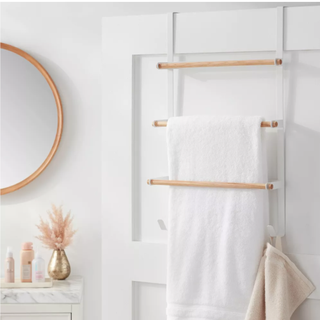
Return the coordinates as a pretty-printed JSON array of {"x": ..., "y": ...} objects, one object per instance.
[
  {"x": 149, "y": 103},
  {"x": 155, "y": 294}
]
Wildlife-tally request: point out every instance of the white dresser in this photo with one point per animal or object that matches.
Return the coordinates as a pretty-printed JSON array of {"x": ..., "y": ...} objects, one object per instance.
[{"x": 61, "y": 302}]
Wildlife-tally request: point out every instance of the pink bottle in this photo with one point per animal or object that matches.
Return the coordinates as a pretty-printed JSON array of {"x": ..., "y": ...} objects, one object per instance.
[
  {"x": 26, "y": 257},
  {"x": 9, "y": 266}
]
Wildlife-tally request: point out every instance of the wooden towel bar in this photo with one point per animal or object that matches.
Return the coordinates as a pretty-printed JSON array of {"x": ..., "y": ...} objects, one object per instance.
[
  {"x": 264, "y": 124},
  {"x": 208, "y": 184},
  {"x": 205, "y": 64}
]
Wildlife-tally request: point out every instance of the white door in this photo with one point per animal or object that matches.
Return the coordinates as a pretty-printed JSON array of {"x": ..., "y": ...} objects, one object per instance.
[{"x": 135, "y": 94}]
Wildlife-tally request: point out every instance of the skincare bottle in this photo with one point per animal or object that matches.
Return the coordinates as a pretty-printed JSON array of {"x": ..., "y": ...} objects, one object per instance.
[
  {"x": 9, "y": 266},
  {"x": 26, "y": 257},
  {"x": 38, "y": 268}
]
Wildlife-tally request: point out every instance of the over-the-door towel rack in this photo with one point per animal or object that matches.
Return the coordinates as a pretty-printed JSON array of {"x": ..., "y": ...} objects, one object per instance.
[{"x": 279, "y": 124}]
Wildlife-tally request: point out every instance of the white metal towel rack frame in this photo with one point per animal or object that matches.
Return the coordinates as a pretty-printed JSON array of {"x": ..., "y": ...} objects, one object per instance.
[{"x": 280, "y": 124}]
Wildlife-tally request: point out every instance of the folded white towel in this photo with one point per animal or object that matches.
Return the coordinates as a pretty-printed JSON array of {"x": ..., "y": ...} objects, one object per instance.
[{"x": 216, "y": 236}]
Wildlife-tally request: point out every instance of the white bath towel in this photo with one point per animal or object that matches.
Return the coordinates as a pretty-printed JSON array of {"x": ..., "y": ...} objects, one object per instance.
[{"x": 216, "y": 236}]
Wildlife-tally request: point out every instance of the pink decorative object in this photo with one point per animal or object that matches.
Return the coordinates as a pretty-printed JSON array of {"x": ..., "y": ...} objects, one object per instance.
[{"x": 59, "y": 235}]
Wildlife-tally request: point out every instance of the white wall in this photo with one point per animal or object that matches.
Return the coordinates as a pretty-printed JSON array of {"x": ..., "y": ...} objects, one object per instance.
[{"x": 66, "y": 39}]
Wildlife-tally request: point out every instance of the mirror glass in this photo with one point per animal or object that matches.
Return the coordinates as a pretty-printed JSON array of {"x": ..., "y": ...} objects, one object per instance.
[{"x": 29, "y": 119}]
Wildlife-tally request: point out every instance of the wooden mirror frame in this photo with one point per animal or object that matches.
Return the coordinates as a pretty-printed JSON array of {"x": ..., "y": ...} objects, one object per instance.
[{"x": 60, "y": 119}]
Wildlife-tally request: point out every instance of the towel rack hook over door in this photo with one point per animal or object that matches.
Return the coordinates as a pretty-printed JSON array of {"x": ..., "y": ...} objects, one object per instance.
[{"x": 170, "y": 58}]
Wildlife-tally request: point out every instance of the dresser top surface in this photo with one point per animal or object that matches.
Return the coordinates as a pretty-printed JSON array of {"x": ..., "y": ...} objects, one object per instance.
[{"x": 63, "y": 291}]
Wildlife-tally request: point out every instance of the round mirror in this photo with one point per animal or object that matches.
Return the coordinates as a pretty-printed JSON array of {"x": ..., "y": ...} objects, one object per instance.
[{"x": 31, "y": 119}]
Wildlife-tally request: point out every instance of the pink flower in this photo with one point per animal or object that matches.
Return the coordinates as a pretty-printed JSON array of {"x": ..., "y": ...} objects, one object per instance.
[{"x": 60, "y": 234}]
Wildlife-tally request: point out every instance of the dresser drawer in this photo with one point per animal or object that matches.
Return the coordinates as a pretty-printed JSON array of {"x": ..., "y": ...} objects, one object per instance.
[{"x": 36, "y": 316}]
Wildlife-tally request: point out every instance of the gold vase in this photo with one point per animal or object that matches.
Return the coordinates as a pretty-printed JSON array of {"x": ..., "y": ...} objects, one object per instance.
[{"x": 59, "y": 266}]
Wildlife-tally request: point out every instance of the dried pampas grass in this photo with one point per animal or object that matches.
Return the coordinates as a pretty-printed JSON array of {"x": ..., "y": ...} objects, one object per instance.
[{"x": 59, "y": 235}]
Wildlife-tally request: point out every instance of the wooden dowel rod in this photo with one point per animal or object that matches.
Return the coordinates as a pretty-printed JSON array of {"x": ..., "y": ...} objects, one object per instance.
[
  {"x": 264, "y": 124},
  {"x": 207, "y": 184},
  {"x": 204, "y": 64}
]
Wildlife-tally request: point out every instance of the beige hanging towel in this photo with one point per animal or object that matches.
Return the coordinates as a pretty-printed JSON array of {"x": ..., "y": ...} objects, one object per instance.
[{"x": 279, "y": 288}]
